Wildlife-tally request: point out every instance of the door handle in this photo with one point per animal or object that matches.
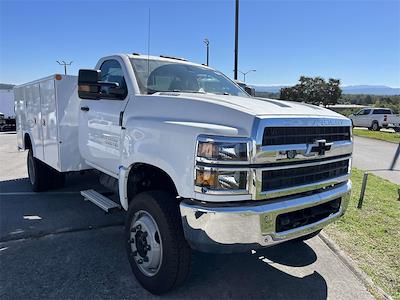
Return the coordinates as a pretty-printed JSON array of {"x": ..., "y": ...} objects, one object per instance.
[{"x": 84, "y": 108}]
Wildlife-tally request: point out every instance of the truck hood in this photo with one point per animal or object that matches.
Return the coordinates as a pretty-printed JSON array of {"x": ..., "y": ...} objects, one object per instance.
[{"x": 261, "y": 106}]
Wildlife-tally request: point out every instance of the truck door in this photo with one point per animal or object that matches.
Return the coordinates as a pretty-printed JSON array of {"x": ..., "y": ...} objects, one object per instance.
[
  {"x": 100, "y": 132},
  {"x": 365, "y": 118}
]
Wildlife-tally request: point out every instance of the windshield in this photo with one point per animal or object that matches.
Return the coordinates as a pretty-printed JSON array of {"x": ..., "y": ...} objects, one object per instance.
[{"x": 165, "y": 76}]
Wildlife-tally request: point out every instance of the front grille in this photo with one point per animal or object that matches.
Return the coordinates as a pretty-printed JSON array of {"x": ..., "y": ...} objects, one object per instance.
[
  {"x": 310, "y": 215},
  {"x": 304, "y": 135},
  {"x": 286, "y": 178}
]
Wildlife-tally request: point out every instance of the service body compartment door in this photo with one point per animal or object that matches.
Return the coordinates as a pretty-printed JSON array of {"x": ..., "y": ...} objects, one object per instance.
[
  {"x": 49, "y": 123},
  {"x": 19, "y": 115},
  {"x": 34, "y": 118}
]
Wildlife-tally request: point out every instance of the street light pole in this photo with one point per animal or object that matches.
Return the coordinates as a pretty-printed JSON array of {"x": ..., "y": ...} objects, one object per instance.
[
  {"x": 63, "y": 63},
  {"x": 245, "y": 73},
  {"x": 235, "y": 74},
  {"x": 207, "y": 42}
]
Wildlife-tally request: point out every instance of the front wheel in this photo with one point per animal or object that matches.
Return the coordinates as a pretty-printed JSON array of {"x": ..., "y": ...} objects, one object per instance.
[{"x": 157, "y": 251}]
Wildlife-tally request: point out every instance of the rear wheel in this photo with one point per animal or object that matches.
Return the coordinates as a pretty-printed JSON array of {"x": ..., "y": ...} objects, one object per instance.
[
  {"x": 375, "y": 126},
  {"x": 397, "y": 129},
  {"x": 41, "y": 176},
  {"x": 157, "y": 251}
]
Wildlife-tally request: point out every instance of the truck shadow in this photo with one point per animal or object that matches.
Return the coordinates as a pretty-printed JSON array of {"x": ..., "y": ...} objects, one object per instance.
[{"x": 257, "y": 275}]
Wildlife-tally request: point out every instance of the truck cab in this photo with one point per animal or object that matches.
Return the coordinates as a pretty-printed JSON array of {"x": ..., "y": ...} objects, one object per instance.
[{"x": 199, "y": 164}]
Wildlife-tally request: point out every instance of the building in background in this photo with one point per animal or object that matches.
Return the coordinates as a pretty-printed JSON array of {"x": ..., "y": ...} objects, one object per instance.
[{"x": 7, "y": 111}]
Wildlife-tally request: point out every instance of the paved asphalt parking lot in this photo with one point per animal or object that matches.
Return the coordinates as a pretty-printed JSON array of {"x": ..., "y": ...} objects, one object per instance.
[
  {"x": 54, "y": 245},
  {"x": 377, "y": 157}
]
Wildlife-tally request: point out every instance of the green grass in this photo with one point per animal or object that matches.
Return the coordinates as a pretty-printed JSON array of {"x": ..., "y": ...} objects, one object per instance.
[
  {"x": 371, "y": 235},
  {"x": 378, "y": 135}
]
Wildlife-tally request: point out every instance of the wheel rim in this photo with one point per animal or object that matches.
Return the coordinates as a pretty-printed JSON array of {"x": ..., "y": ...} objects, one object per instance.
[
  {"x": 374, "y": 126},
  {"x": 31, "y": 169},
  {"x": 146, "y": 244}
]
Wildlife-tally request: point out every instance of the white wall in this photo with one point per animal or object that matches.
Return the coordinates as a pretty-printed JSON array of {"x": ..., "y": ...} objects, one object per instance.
[{"x": 7, "y": 103}]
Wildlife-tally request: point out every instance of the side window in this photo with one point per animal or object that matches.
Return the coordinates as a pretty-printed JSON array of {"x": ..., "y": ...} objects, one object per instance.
[
  {"x": 111, "y": 71},
  {"x": 360, "y": 113},
  {"x": 366, "y": 111},
  {"x": 382, "y": 112}
]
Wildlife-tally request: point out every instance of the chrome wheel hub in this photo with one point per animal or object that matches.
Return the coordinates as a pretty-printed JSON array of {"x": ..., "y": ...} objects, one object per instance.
[{"x": 146, "y": 243}]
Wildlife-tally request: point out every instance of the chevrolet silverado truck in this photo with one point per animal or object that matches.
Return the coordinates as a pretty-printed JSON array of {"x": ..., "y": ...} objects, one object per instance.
[
  {"x": 375, "y": 118},
  {"x": 196, "y": 163}
]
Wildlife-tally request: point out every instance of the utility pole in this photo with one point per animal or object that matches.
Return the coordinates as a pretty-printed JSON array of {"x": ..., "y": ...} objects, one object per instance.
[
  {"x": 207, "y": 42},
  {"x": 245, "y": 73},
  {"x": 63, "y": 63},
  {"x": 235, "y": 71}
]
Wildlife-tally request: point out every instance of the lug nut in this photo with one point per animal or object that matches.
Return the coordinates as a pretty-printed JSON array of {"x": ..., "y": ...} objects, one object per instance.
[
  {"x": 138, "y": 227},
  {"x": 145, "y": 234},
  {"x": 140, "y": 261},
  {"x": 148, "y": 248}
]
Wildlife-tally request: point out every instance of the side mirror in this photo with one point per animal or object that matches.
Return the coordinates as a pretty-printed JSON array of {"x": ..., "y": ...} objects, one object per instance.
[
  {"x": 91, "y": 87},
  {"x": 249, "y": 90},
  {"x": 88, "y": 84}
]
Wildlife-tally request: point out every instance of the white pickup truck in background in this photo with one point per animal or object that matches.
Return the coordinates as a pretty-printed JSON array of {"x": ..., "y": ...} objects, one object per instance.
[
  {"x": 375, "y": 118},
  {"x": 195, "y": 161}
]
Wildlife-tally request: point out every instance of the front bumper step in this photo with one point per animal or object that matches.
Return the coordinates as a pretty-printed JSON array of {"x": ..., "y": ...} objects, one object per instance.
[{"x": 235, "y": 228}]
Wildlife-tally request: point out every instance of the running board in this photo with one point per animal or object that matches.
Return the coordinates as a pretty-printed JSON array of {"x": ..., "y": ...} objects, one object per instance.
[{"x": 101, "y": 201}]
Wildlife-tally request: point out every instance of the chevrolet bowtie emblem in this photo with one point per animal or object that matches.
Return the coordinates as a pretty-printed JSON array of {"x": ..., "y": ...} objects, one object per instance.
[{"x": 319, "y": 147}]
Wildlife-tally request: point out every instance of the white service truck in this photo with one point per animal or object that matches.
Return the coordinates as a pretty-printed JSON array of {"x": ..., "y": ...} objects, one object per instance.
[
  {"x": 195, "y": 161},
  {"x": 375, "y": 118}
]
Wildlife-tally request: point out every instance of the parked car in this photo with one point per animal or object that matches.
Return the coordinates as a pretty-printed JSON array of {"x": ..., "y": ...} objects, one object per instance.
[
  {"x": 7, "y": 123},
  {"x": 195, "y": 162},
  {"x": 375, "y": 118}
]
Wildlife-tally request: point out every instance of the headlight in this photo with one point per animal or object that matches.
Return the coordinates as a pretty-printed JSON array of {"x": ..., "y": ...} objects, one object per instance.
[
  {"x": 217, "y": 165},
  {"x": 222, "y": 151},
  {"x": 208, "y": 179}
]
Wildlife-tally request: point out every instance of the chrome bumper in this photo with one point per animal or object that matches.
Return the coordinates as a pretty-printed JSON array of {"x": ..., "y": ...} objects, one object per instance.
[{"x": 233, "y": 228}]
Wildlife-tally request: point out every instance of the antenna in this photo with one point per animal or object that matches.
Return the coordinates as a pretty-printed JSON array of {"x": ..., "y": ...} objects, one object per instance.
[{"x": 148, "y": 45}]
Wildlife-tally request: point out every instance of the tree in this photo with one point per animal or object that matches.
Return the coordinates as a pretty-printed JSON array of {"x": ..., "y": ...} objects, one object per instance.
[{"x": 313, "y": 90}]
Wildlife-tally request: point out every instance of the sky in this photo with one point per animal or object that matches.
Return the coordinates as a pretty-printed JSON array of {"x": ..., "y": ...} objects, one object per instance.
[{"x": 355, "y": 41}]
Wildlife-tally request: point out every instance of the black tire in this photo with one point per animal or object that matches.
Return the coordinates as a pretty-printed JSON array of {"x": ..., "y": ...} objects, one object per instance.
[
  {"x": 176, "y": 253},
  {"x": 397, "y": 129},
  {"x": 41, "y": 176},
  {"x": 306, "y": 237},
  {"x": 375, "y": 126}
]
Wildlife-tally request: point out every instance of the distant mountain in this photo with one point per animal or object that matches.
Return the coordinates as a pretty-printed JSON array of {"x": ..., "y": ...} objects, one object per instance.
[
  {"x": 371, "y": 90},
  {"x": 268, "y": 88},
  {"x": 351, "y": 89},
  {"x": 6, "y": 86}
]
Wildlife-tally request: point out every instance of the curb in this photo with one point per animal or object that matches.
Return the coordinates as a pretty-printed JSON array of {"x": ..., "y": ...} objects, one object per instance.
[{"x": 353, "y": 267}]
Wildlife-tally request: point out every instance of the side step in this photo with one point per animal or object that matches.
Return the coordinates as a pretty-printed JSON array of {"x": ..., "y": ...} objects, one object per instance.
[{"x": 101, "y": 201}]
